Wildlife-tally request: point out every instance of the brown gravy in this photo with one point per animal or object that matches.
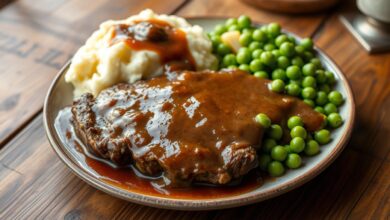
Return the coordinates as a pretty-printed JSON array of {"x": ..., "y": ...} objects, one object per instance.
[
  {"x": 156, "y": 35},
  {"x": 128, "y": 178},
  {"x": 233, "y": 95}
]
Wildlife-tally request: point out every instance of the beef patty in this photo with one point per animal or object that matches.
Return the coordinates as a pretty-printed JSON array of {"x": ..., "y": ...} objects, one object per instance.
[{"x": 189, "y": 126}]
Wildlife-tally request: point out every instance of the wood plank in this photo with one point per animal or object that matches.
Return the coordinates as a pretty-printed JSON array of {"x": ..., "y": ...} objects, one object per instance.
[
  {"x": 304, "y": 25},
  {"x": 368, "y": 76},
  {"x": 37, "y": 39},
  {"x": 375, "y": 202}
]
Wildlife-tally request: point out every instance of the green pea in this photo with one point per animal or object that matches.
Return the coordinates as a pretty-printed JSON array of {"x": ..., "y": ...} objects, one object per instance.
[
  {"x": 293, "y": 72},
  {"x": 279, "y": 74},
  {"x": 293, "y": 161},
  {"x": 320, "y": 76},
  {"x": 279, "y": 153},
  {"x": 330, "y": 79},
  {"x": 319, "y": 109},
  {"x": 259, "y": 35},
  {"x": 309, "y": 102},
  {"x": 223, "y": 49},
  {"x": 322, "y": 98},
  {"x": 336, "y": 98},
  {"x": 244, "y": 67},
  {"x": 309, "y": 81},
  {"x": 287, "y": 49},
  {"x": 275, "y": 132},
  {"x": 330, "y": 108},
  {"x": 316, "y": 62},
  {"x": 261, "y": 74},
  {"x": 245, "y": 39},
  {"x": 257, "y": 53},
  {"x": 281, "y": 39},
  {"x": 244, "y": 21},
  {"x": 307, "y": 43},
  {"x": 268, "y": 58},
  {"x": 273, "y": 29},
  {"x": 293, "y": 89},
  {"x": 297, "y": 144},
  {"x": 277, "y": 85},
  {"x": 264, "y": 160},
  {"x": 231, "y": 21},
  {"x": 322, "y": 136},
  {"x": 215, "y": 40},
  {"x": 247, "y": 31},
  {"x": 276, "y": 53},
  {"x": 255, "y": 65},
  {"x": 233, "y": 27},
  {"x": 232, "y": 67},
  {"x": 308, "y": 93},
  {"x": 254, "y": 46},
  {"x": 220, "y": 29},
  {"x": 298, "y": 131},
  {"x": 309, "y": 69},
  {"x": 229, "y": 59},
  {"x": 299, "y": 49},
  {"x": 263, "y": 120},
  {"x": 297, "y": 61},
  {"x": 268, "y": 144},
  {"x": 283, "y": 62},
  {"x": 294, "y": 121},
  {"x": 243, "y": 56},
  {"x": 275, "y": 168},
  {"x": 312, "y": 148},
  {"x": 269, "y": 47},
  {"x": 334, "y": 120}
]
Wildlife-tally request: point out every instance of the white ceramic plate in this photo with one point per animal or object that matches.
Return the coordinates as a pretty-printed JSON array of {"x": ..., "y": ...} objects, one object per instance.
[{"x": 60, "y": 95}]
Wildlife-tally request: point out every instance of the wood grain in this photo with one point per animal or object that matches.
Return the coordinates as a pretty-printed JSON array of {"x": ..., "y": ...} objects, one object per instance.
[
  {"x": 37, "y": 39},
  {"x": 375, "y": 202},
  {"x": 302, "y": 25}
]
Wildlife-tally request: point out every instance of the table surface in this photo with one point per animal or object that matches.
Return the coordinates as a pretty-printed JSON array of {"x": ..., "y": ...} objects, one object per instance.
[{"x": 37, "y": 39}]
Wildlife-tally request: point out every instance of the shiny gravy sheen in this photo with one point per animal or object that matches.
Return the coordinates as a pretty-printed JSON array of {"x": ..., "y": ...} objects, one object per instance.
[{"x": 233, "y": 100}]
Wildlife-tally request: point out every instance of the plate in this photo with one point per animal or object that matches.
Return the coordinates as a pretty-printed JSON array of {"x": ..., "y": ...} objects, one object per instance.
[{"x": 60, "y": 95}]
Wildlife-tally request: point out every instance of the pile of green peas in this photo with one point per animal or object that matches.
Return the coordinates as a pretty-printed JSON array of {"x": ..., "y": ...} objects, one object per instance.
[
  {"x": 267, "y": 52},
  {"x": 276, "y": 154}
]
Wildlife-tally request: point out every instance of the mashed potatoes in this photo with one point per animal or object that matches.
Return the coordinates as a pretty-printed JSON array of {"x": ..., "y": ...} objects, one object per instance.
[{"x": 99, "y": 64}]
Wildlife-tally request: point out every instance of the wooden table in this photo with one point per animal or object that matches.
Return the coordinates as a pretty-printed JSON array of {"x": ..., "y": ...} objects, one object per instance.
[{"x": 38, "y": 37}]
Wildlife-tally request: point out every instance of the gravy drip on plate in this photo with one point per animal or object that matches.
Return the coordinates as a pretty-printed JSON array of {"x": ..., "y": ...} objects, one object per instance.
[
  {"x": 192, "y": 126},
  {"x": 130, "y": 179}
]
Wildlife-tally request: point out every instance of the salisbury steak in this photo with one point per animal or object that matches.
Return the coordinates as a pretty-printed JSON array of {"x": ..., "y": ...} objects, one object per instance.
[{"x": 193, "y": 126}]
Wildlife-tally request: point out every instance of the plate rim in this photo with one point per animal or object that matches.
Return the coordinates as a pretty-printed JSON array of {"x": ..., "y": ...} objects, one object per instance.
[{"x": 206, "y": 204}]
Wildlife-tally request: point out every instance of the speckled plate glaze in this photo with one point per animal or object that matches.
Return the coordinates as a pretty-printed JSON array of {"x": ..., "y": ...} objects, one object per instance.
[{"x": 60, "y": 95}]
